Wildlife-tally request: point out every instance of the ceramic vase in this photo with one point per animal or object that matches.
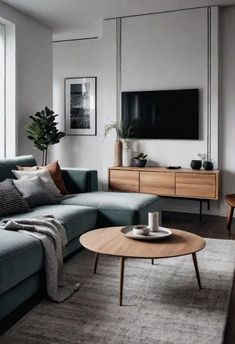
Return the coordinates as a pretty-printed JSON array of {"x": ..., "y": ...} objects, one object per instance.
[
  {"x": 208, "y": 165},
  {"x": 118, "y": 153},
  {"x": 126, "y": 154},
  {"x": 196, "y": 164}
]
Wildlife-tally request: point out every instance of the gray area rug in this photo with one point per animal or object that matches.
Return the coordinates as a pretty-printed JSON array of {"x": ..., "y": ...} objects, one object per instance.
[{"x": 162, "y": 303}]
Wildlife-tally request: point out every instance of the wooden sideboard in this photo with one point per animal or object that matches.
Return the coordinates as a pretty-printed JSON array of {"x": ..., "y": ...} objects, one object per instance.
[{"x": 183, "y": 183}]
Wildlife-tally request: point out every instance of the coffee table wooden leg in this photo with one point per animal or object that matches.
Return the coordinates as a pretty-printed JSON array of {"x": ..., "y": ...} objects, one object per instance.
[
  {"x": 122, "y": 264},
  {"x": 197, "y": 270},
  {"x": 152, "y": 261},
  {"x": 95, "y": 263}
]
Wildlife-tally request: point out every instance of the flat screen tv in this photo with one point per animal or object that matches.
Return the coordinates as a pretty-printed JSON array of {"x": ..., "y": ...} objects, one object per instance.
[{"x": 169, "y": 114}]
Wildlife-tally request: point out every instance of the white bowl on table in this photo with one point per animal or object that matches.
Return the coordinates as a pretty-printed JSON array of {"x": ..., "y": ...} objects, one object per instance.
[{"x": 141, "y": 230}]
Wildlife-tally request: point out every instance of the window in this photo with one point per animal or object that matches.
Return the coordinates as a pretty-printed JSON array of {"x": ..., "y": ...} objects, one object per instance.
[
  {"x": 2, "y": 91},
  {"x": 8, "y": 118}
]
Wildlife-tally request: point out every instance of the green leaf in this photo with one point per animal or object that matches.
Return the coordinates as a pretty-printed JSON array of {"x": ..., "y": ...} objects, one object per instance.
[{"x": 43, "y": 129}]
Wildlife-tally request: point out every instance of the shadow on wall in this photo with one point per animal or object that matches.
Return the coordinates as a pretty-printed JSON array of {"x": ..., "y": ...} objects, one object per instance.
[
  {"x": 138, "y": 147},
  {"x": 227, "y": 182}
]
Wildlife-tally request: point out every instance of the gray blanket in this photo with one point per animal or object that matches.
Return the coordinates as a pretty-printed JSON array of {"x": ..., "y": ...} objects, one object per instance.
[{"x": 53, "y": 238}]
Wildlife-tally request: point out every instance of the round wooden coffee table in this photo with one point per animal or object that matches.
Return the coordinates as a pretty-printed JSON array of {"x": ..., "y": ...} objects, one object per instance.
[{"x": 110, "y": 241}]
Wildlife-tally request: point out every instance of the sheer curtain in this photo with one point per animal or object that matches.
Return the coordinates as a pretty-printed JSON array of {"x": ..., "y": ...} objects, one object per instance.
[{"x": 2, "y": 92}]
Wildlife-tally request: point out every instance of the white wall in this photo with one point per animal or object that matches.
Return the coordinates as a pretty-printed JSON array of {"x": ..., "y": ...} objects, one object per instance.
[
  {"x": 33, "y": 71},
  {"x": 158, "y": 51}
]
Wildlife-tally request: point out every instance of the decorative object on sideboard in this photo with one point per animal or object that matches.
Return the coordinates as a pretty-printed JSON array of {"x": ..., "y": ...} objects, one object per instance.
[
  {"x": 196, "y": 164},
  {"x": 140, "y": 160},
  {"x": 43, "y": 131},
  {"x": 80, "y": 106},
  {"x": 126, "y": 153},
  {"x": 117, "y": 127},
  {"x": 206, "y": 163},
  {"x": 122, "y": 135}
]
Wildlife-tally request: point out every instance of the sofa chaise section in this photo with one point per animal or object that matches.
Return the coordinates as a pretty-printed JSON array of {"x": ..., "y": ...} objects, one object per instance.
[{"x": 117, "y": 208}]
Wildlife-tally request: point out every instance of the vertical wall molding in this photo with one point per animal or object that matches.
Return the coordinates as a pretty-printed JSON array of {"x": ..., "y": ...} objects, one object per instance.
[
  {"x": 214, "y": 85},
  {"x": 209, "y": 83},
  {"x": 118, "y": 66}
]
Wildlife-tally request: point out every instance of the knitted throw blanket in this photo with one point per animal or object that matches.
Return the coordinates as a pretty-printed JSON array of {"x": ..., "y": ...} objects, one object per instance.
[{"x": 53, "y": 238}]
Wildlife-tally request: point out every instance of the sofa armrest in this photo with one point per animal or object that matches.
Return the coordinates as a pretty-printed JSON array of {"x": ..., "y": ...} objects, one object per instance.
[{"x": 80, "y": 180}]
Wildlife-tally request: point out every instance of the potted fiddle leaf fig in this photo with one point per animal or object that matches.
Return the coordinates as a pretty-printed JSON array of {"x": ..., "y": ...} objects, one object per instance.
[{"x": 43, "y": 131}]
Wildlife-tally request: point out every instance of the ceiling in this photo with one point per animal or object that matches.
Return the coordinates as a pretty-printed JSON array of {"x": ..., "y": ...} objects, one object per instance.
[{"x": 71, "y": 19}]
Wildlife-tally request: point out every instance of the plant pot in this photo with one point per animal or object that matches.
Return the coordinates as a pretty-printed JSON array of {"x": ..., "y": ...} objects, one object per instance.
[
  {"x": 139, "y": 162},
  {"x": 196, "y": 164},
  {"x": 208, "y": 165},
  {"x": 118, "y": 153}
]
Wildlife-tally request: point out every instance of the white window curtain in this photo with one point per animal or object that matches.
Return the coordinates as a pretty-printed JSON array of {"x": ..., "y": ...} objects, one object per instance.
[{"x": 2, "y": 91}]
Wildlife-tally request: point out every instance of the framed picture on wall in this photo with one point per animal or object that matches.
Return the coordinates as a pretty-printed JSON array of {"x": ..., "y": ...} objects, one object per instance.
[{"x": 80, "y": 106}]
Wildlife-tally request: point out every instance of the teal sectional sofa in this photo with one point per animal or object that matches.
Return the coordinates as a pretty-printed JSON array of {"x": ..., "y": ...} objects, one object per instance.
[{"x": 21, "y": 256}]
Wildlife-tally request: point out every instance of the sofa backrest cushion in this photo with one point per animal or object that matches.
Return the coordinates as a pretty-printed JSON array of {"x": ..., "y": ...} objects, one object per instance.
[{"x": 7, "y": 165}]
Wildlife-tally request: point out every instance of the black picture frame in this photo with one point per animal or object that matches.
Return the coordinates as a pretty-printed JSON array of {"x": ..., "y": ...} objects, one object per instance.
[{"x": 80, "y": 99}]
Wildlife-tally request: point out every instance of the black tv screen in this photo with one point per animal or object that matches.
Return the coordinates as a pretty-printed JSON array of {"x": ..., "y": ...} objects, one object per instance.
[{"x": 172, "y": 114}]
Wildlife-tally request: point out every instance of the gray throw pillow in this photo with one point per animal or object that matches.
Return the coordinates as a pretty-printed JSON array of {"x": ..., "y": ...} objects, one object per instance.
[
  {"x": 33, "y": 191},
  {"x": 11, "y": 201},
  {"x": 46, "y": 179}
]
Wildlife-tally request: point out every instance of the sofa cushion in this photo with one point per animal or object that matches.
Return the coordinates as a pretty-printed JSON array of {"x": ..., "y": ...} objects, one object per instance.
[
  {"x": 33, "y": 191},
  {"x": 55, "y": 172},
  {"x": 11, "y": 201},
  {"x": 117, "y": 208},
  {"x": 20, "y": 256},
  {"x": 56, "y": 175},
  {"x": 46, "y": 179},
  {"x": 75, "y": 219}
]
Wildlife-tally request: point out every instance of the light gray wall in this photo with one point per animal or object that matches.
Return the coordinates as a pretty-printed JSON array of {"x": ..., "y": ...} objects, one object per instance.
[
  {"x": 33, "y": 71},
  {"x": 159, "y": 51},
  {"x": 78, "y": 60},
  {"x": 96, "y": 57},
  {"x": 227, "y": 109},
  {"x": 168, "y": 51}
]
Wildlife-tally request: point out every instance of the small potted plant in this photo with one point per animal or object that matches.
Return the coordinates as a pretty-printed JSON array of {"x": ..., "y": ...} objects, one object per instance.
[{"x": 140, "y": 160}]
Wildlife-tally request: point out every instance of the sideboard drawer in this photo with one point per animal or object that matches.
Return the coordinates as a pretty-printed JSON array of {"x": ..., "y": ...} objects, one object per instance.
[
  {"x": 158, "y": 183},
  {"x": 196, "y": 185},
  {"x": 124, "y": 180}
]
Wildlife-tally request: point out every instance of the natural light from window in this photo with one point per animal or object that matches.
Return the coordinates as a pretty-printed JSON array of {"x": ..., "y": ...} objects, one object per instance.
[{"x": 2, "y": 90}]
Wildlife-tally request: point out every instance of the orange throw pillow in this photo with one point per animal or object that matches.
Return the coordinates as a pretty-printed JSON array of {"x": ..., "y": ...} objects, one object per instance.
[
  {"x": 56, "y": 175},
  {"x": 55, "y": 172}
]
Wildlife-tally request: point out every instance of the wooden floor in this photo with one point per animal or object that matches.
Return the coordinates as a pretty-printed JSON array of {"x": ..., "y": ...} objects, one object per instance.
[{"x": 210, "y": 227}]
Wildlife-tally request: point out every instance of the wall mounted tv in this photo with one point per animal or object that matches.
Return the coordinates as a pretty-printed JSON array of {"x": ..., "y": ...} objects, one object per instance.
[{"x": 168, "y": 114}]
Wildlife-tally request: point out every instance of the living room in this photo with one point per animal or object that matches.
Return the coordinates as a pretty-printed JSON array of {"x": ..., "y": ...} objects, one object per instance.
[{"x": 126, "y": 55}]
